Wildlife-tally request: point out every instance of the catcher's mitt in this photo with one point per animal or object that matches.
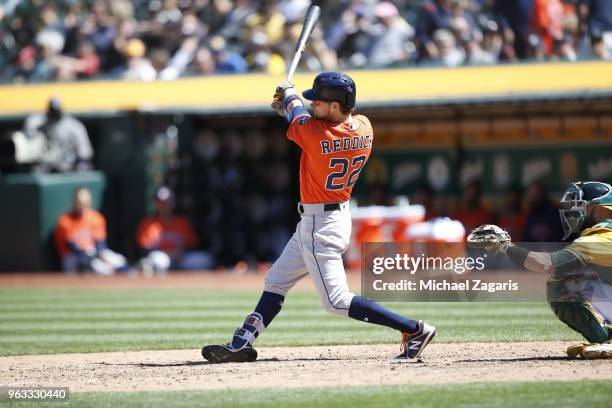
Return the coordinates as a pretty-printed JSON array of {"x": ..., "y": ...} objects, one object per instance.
[{"x": 490, "y": 238}]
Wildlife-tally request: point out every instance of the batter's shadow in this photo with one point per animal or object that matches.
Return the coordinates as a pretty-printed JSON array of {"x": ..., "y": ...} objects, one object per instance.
[
  {"x": 206, "y": 363},
  {"x": 144, "y": 365}
]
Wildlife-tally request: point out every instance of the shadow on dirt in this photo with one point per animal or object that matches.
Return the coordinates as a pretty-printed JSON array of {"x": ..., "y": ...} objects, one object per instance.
[{"x": 204, "y": 363}]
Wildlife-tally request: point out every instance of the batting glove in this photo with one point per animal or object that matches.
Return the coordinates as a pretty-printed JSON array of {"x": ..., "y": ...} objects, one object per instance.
[{"x": 279, "y": 96}]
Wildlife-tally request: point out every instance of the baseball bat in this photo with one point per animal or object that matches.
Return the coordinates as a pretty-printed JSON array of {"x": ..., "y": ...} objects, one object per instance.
[{"x": 309, "y": 22}]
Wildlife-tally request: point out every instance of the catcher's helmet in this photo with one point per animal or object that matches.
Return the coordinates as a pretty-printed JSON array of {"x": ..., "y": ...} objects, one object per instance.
[
  {"x": 333, "y": 86},
  {"x": 574, "y": 202}
]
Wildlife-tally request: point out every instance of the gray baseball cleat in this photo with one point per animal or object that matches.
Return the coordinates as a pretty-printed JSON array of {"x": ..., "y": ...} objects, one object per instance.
[{"x": 413, "y": 344}]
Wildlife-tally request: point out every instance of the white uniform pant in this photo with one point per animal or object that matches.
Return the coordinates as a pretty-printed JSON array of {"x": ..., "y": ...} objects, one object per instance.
[
  {"x": 315, "y": 249},
  {"x": 106, "y": 262}
]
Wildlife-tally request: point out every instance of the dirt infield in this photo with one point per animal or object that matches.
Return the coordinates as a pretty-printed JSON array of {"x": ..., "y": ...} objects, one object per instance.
[
  {"x": 301, "y": 367},
  {"x": 278, "y": 366}
]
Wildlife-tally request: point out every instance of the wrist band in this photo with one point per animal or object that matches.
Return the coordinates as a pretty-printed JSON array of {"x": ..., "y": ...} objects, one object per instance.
[
  {"x": 290, "y": 98},
  {"x": 289, "y": 91}
]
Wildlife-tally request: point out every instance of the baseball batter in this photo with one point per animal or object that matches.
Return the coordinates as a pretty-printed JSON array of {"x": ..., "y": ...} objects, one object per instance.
[
  {"x": 579, "y": 289},
  {"x": 336, "y": 145}
]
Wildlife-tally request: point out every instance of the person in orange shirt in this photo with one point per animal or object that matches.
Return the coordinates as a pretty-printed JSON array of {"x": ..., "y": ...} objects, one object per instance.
[
  {"x": 472, "y": 214},
  {"x": 80, "y": 237},
  {"x": 548, "y": 22},
  {"x": 168, "y": 240},
  {"x": 336, "y": 145}
]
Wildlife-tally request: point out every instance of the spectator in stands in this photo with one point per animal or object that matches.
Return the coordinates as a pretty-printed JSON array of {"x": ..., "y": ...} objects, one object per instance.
[
  {"x": 542, "y": 223},
  {"x": 483, "y": 49},
  {"x": 86, "y": 64},
  {"x": 181, "y": 59},
  {"x": 573, "y": 44},
  {"x": 214, "y": 14},
  {"x": 515, "y": 18},
  {"x": 160, "y": 58},
  {"x": 101, "y": 26},
  {"x": 80, "y": 237},
  {"x": 203, "y": 62},
  {"x": 226, "y": 61},
  {"x": 451, "y": 16},
  {"x": 350, "y": 36},
  {"x": 424, "y": 195},
  {"x": 472, "y": 212},
  {"x": 50, "y": 43},
  {"x": 512, "y": 217},
  {"x": 25, "y": 65},
  {"x": 168, "y": 241},
  {"x": 316, "y": 57},
  {"x": 598, "y": 17},
  {"x": 115, "y": 62},
  {"x": 390, "y": 38},
  {"x": 270, "y": 20},
  {"x": 262, "y": 57},
  {"x": 461, "y": 22},
  {"x": 448, "y": 53},
  {"x": 548, "y": 23},
  {"x": 493, "y": 41},
  {"x": 163, "y": 39},
  {"x": 433, "y": 16},
  {"x": 235, "y": 21},
  {"x": 66, "y": 143},
  {"x": 139, "y": 67}
]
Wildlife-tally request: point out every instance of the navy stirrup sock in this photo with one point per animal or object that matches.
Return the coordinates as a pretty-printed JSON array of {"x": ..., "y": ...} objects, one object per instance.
[
  {"x": 268, "y": 307},
  {"x": 371, "y": 312}
]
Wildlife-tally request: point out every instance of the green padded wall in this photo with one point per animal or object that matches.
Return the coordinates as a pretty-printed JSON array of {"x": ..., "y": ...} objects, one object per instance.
[{"x": 29, "y": 207}]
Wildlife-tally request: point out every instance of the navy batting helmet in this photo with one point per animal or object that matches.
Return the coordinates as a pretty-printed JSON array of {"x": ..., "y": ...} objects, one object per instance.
[{"x": 333, "y": 86}]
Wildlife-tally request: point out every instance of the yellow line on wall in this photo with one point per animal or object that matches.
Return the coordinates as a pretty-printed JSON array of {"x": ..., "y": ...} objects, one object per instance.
[{"x": 255, "y": 91}]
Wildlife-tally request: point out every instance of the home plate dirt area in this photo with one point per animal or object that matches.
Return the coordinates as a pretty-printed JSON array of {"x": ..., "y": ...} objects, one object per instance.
[{"x": 302, "y": 367}]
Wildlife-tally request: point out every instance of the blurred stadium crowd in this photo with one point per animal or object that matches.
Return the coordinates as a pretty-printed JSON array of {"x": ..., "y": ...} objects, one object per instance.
[{"x": 46, "y": 40}]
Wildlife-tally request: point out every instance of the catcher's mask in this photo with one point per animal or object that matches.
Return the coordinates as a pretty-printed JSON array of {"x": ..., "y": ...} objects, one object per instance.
[{"x": 573, "y": 205}]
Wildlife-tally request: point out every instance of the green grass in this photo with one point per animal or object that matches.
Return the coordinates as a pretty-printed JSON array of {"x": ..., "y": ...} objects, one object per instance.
[
  {"x": 41, "y": 321},
  {"x": 555, "y": 394}
]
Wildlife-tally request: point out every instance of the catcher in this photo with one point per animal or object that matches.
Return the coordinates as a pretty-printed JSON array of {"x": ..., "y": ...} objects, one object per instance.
[{"x": 579, "y": 289}]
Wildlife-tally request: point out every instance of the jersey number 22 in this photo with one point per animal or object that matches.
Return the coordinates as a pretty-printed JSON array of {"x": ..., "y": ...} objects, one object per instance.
[{"x": 335, "y": 180}]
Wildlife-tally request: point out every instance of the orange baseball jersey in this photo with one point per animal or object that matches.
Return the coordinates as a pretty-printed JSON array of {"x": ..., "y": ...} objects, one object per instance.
[
  {"x": 171, "y": 235},
  {"x": 83, "y": 231},
  {"x": 333, "y": 155}
]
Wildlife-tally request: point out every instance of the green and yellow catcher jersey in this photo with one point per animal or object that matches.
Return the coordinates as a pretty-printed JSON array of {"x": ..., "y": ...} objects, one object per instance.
[{"x": 594, "y": 248}]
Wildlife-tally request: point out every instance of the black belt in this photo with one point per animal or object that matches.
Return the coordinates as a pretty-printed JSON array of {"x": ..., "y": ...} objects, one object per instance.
[
  {"x": 326, "y": 207},
  {"x": 331, "y": 207}
]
